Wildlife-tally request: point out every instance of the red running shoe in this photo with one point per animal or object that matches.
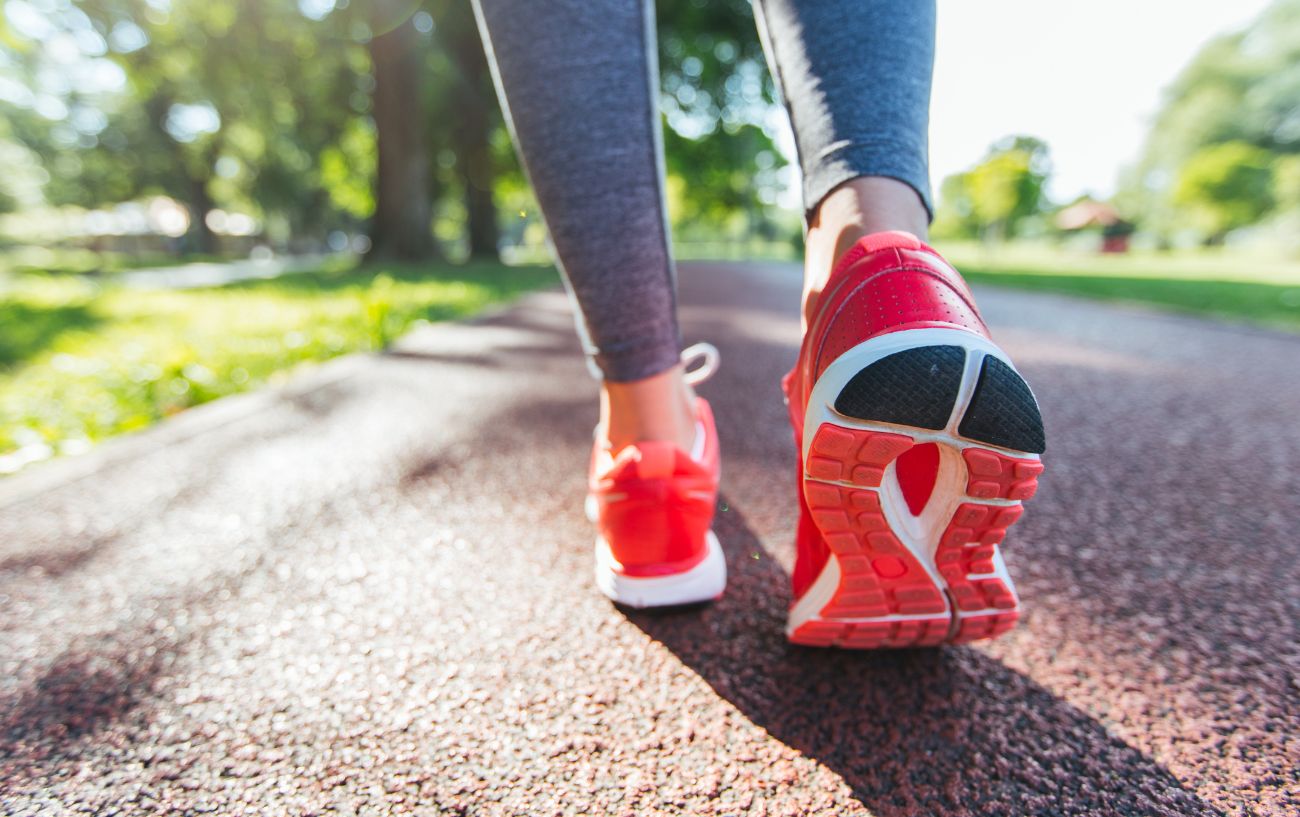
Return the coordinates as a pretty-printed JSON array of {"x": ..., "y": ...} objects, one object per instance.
[
  {"x": 653, "y": 507},
  {"x": 918, "y": 442}
]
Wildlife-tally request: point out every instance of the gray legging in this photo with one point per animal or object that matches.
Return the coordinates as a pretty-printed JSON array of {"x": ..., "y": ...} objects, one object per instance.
[{"x": 578, "y": 80}]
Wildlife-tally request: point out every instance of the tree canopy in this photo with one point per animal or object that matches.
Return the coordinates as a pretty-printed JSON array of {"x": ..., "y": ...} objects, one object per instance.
[
  {"x": 995, "y": 197},
  {"x": 1217, "y": 156},
  {"x": 290, "y": 113}
]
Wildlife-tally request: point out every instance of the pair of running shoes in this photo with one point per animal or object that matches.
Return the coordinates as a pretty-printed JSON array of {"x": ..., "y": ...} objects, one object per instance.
[{"x": 918, "y": 444}]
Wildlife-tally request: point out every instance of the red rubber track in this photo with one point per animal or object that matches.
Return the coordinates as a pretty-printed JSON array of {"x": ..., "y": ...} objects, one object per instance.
[{"x": 370, "y": 593}]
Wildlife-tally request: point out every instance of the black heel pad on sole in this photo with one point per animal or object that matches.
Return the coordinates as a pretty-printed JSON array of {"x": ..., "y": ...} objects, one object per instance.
[
  {"x": 1003, "y": 410},
  {"x": 915, "y": 387}
]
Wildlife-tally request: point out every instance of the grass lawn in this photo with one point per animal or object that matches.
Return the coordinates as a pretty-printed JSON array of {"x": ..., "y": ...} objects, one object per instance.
[
  {"x": 43, "y": 260},
  {"x": 83, "y": 359},
  {"x": 1258, "y": 291}
]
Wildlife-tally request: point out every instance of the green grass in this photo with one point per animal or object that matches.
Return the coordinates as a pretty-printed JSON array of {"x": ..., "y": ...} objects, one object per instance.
[
  {"x": 82, "y": 359},
  {"x": 1264, "y": 292},
  {"x": 75, "y": 261}
]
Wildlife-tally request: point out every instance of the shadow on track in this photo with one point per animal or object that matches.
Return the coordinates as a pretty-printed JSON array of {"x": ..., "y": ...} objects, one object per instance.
[
  {"x": 944, "y": 731},
  {"x": 87, "y": 690}
]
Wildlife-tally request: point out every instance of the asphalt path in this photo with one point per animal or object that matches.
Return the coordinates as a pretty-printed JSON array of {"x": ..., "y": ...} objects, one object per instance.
[{"x": 369, "y": 592}]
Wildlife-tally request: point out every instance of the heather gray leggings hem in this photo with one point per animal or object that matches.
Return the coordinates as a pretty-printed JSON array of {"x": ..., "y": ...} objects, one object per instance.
[
  {"x": 854, "y": 76},
  {"x": 578, "y": 82},
  {"x": 857, "y": 159}
]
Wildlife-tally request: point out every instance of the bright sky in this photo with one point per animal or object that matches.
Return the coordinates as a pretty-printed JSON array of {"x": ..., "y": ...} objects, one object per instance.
[{"x": 1085, "y": 77}]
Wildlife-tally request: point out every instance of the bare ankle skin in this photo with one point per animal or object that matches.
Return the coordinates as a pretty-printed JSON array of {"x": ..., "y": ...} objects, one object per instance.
[
  {"x": 869, "y": 204},
  {"x": 660, "y": 407}
]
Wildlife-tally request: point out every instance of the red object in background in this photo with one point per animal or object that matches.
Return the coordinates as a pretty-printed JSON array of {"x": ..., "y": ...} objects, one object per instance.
[{"x": 1114, "y": 243}]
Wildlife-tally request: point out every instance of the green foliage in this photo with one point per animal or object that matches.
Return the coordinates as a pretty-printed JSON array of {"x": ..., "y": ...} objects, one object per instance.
[
  {"x": 717, "y": 98},
  {"x": 715, "y": 178},
  {"x": 80, "y": 361},
  {"x": 230, "y": 103},
  {"x": 1242, "y": 89},
  {"x": 1286, "y": 183},
  {"x": 1226, "y": 186},
  {"x": 267, "y": 109},
  {"x": 380, "y": 319},
  {"x": 995, "y": 197},
  {"x": 1275, "y": 305},
  {"x": 76, "y": 261},
  {"x": 348, "y": 168},
  {"x": 31, "y": 324}
]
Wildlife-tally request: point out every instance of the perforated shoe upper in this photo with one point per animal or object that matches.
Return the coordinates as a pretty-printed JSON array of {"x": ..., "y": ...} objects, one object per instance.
[{"x": 887, "y": 282}]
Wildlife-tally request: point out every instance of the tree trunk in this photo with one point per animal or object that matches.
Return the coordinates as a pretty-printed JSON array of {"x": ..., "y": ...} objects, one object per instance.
[
  {"x": 194, "y": 190},
  {"x": 200, "y": 238},
  {"x": 402, "y": 224},
  {"x": 480, "y": 206},
  {"x": 472, "y": 132}
]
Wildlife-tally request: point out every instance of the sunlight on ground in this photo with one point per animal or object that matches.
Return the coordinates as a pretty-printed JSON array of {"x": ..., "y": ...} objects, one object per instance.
[{"x": 81, "y": 360}]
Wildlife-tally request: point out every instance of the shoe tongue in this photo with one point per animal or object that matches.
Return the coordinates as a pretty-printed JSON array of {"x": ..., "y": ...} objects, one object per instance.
[{"x": 656, "y": 460}]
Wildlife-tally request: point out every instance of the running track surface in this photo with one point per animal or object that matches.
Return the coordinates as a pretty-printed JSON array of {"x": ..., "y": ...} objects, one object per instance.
[{"x": 369, "y": 592}]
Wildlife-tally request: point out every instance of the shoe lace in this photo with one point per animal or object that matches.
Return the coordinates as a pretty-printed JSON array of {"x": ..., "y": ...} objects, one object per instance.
[{"x": 709, "y": 353}]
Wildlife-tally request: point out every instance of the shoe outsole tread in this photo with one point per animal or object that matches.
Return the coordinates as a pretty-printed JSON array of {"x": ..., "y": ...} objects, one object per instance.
[
  {"x": 915, "y": 387},
  {"x": 1003, "y": 411},
  {"x": 952, "y": 587}
]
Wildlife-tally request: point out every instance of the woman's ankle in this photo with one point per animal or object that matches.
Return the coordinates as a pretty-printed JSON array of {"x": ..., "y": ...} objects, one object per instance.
[
  {"x": 659, "y": 407},
  {"x": 857, "y": 208}
]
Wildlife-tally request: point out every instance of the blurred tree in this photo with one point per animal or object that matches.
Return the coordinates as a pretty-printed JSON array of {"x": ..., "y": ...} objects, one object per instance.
[
  {"x": 1241, "y": 88},
  {"x": 1286, "y": 184},
  {"x": 225, "y": 102},
  {"x": 994, "y": 198},
  {"x": 167, "y": 135},
  {"x": 402, "y": 226},
  {"x": 468, "y": 111},
  {"x": 714, "y": 181},
  {"x": 718, "y": 101},
  {"x": 1226, "y": 186},
  {"x": 954, "y": 217},
  {"x": 320, "y": 115},
  {"x": 62, "y": 121}
]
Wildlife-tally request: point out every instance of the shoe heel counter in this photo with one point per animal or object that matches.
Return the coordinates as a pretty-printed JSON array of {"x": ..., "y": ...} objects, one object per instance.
[
  {"x": 906, "y": 297},
  {"x": 934, "y": 264},
  {"x": 660, "y": 529}
]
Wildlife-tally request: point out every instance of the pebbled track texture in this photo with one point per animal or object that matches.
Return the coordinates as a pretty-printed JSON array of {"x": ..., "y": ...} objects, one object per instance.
[
  {"x": 373, "y": 597},
  {"x": 1003, "y": 411},
  {"x": 916, "y": 387}
]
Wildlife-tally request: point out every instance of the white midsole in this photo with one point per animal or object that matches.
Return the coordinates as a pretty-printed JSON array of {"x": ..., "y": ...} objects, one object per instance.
[
  {"x": 703, "y": 582},
  {"x": 918, "y": 535}
]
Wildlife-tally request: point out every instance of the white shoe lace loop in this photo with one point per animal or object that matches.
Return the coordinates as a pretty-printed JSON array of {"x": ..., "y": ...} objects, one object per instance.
[{"x": 711, "y": 359}]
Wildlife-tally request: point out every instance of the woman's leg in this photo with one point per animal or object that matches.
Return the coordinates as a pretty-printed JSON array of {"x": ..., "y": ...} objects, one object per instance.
[
  {"x": 578, "y": 81},
  {"x": 855, "y": 77},
  {"x": 898, "y": 391}
]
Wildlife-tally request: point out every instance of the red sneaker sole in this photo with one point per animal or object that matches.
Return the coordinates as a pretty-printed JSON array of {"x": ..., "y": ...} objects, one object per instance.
[{"x": 898, "y": 579}]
